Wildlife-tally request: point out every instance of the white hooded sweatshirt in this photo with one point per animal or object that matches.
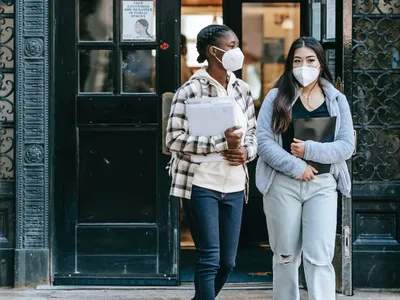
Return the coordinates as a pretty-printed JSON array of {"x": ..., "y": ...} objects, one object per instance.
[{"x": 220, "y": 176}]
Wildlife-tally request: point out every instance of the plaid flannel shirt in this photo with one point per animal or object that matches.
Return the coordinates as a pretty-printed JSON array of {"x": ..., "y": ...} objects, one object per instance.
[{"x": 182, "y": 145}]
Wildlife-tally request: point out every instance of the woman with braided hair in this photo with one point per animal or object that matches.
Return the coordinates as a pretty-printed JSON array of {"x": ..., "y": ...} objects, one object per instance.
[{"x": 213, "y": 192}]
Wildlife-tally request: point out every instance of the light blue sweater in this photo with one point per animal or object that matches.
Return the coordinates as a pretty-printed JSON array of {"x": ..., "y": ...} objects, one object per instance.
[{"x": 273, "y": 158}]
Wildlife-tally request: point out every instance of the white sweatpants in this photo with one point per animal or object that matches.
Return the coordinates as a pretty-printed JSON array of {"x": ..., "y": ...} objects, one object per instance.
[{"x": 301, "y": 216}]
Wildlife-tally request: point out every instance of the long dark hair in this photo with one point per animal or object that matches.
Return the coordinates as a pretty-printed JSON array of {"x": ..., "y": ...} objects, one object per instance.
[
  {"x": 209, "y": 35},
  {"x": 287, "y": 84},
  {"x": 145, "y": 24}
]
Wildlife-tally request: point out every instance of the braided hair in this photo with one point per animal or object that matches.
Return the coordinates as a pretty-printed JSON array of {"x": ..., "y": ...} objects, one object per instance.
[
  {"x": 209, "y": 36},
  {"x": 145, "y": 24}
]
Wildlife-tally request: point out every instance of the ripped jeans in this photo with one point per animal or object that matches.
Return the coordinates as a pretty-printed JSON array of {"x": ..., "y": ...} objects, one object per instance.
[{"x": 301, "y": 217}]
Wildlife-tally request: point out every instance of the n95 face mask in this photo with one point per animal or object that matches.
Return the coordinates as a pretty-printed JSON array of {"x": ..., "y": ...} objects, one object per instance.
[
  {"x": 306, "y": 75},
  {"x": 232, "y": 60}
]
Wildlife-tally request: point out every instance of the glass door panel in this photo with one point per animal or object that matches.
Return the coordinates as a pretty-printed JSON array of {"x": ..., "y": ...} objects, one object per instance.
[
  {"x": 96, "y": 71},
  {"x": 95, "y": 20},
  {"x": 268, "y": 31},
  {"x": 138, "y": 71}
]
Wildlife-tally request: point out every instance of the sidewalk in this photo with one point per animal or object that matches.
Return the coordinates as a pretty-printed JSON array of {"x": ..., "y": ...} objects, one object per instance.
[{"x": 132, "y": 294}]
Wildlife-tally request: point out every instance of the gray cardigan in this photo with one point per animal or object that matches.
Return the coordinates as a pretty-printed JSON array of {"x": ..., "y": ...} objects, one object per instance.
[{"x": 272, "y": 157}]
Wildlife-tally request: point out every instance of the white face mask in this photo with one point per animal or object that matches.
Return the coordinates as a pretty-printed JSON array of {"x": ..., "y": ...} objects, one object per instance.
[
  {"x": 306, "y": 75},
  {"x": 232, "y": 60}
]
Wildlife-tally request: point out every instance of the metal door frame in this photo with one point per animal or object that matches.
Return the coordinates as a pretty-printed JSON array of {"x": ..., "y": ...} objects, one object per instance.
[{"x": 344, "y": 35}]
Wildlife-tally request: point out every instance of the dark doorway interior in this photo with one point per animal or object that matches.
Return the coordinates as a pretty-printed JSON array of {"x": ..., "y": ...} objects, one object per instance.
[{"x": 265, "y": 30}]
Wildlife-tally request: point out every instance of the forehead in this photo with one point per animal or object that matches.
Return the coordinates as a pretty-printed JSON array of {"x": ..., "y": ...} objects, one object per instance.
[
  {"x": 304, "y": 52},
  {"x": 228, "y": 37}
]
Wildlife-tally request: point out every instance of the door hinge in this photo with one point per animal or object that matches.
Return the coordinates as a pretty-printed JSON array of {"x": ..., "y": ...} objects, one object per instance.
[
  {"x": 175, "y": 253},
  {"x": 346, "y": 234}
]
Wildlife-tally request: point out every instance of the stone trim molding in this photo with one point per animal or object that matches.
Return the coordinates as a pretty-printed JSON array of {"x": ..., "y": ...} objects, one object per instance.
[{"x": 32, "y": 134}]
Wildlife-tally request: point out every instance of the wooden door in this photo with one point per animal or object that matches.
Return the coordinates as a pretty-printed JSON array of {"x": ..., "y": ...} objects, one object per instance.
[{"x": 114, "y": 221}]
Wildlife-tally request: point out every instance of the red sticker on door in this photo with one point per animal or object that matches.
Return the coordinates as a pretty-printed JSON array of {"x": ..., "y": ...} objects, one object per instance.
[{"x": 164, "y": 46}]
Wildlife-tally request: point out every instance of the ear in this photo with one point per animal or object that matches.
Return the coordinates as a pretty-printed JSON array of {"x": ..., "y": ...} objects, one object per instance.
[
  {"x": 184, "y": 50},
  {"x": 212, "y": 51}
]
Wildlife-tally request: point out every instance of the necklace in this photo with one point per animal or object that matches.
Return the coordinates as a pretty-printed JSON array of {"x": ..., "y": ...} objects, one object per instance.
[{"x": 308, "y": 96}]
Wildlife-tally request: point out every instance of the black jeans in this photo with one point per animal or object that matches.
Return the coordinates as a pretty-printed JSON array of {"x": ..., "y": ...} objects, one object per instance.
[{"x": 214, "y": 220}]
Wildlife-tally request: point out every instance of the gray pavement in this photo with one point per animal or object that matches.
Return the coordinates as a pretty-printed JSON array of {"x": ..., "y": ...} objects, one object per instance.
[{"x": 169, "y": 294}]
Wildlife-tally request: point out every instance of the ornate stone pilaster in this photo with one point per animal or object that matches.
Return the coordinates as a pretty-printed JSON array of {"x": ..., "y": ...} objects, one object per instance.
[{"x": 32, "y": 142}]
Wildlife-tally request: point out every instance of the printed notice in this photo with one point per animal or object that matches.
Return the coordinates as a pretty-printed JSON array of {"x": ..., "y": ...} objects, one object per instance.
[
  {"x": 138, "y": 20},
  {"x": 330, "y": 19}
]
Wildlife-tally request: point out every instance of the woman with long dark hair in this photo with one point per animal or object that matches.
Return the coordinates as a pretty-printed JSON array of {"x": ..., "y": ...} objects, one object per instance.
[
  {"x": 300, "y": 202},
  {"x": 141, "y": 29},
  {"x": 213, "y": 193}
]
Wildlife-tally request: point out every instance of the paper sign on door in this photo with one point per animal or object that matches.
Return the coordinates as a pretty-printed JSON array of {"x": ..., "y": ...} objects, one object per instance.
[{"x": 138, "y": 20}]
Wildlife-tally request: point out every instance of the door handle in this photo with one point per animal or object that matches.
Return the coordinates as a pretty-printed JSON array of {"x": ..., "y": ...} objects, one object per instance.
[{"x": 339, "y": 84}]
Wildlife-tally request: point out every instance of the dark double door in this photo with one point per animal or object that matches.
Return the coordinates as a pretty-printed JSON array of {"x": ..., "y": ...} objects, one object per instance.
[{"x": 114, "y": 222}]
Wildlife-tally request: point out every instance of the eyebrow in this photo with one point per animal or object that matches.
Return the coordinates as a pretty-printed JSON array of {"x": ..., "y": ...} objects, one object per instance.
[{"x": 306, "y": 57}]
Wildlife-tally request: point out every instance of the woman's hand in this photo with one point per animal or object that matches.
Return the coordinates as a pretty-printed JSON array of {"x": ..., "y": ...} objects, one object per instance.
[
  {"x": 236, "y": 157},
  {"x": 297, "y": 148},
  {"x": 308, "y": 174},
  {"x": 233, "y": 138}
]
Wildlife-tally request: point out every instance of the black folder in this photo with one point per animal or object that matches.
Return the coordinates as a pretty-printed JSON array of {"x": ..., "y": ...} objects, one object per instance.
[{"x": 318, "y": 130}]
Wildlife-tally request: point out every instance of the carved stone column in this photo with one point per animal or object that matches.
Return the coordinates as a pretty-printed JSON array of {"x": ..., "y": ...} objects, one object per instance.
[{"x": 32, "y": 142}]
